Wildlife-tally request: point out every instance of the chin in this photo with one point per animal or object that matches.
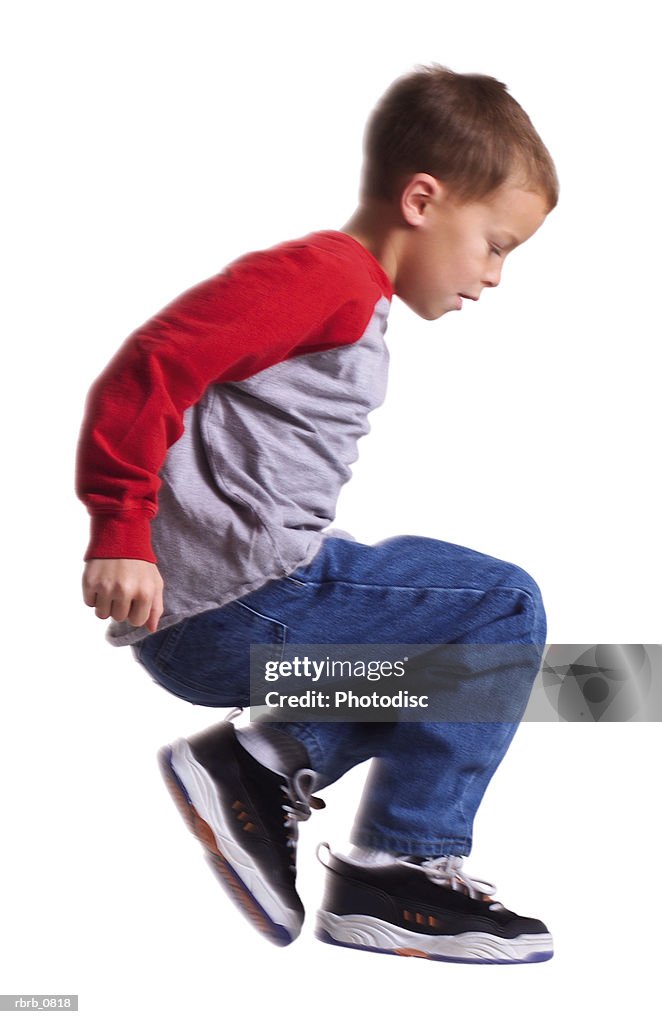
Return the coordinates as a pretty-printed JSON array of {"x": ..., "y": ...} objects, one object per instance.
[
  {"x": 429, "y": 310},
  {"x": 426, "y": 312},
  {"x": 434, "y": 314}
]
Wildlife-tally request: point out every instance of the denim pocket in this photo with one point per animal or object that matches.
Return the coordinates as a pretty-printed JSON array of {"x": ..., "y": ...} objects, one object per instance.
[{"x": 206, "y": 659}]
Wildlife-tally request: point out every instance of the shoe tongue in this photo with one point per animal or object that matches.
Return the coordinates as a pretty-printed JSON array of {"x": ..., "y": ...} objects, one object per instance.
[{"x": 460, "y": 886}]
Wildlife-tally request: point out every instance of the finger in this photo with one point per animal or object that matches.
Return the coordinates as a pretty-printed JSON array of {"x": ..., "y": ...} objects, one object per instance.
[
  {"x": 155, "y": 614},
  {"x": 119, "y": 608},
  {"x": 139, "y": 610},
  {"x": 103, "y": 604},
  {"x": 90, "y": 588}
]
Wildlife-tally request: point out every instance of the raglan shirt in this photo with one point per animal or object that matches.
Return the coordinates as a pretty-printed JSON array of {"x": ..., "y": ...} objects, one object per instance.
[{"x": 217, "y": 440}]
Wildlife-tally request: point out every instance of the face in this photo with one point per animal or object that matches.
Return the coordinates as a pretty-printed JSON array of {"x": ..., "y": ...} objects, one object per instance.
[{"x": 452, "y": 250}]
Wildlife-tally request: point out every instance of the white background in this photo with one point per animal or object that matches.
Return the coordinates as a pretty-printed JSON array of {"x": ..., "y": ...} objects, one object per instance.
[{"x": 148, "y": 144}]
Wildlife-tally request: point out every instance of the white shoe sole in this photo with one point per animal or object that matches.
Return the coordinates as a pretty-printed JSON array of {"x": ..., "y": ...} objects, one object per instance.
[
  {"x": 203, "y": 808},
  {"x": 361, "y": 932}
]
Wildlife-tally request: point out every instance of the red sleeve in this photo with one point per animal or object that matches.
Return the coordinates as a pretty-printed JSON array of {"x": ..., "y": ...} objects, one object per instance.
[{"x": 266, "y": 307}]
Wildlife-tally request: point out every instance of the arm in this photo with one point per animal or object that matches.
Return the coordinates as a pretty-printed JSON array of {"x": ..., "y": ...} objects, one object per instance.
[{"x": 265, "y": 308}]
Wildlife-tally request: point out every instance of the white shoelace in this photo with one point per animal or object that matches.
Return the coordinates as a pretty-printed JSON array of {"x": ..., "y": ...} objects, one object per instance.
[
  {"x": 298, "y": 792},
  {"x": 299, "y": 802},
  {"x": 448, "y": 871}
]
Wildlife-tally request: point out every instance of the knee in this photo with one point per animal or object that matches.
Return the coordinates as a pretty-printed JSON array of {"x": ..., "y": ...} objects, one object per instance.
[{"x": 521, "y": 581}]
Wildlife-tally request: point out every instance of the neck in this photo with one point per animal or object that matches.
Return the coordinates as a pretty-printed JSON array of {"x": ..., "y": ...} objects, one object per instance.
[{"x": 374, "y": 225}]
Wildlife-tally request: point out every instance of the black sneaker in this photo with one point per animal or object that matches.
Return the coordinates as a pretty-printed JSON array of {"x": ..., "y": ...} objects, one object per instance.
[
  {"x": 246, "y": 817},
  {"x": 425, "y": 907}
]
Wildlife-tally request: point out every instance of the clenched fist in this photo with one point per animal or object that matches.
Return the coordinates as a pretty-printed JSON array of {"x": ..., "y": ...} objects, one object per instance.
[{"x": 124, "y": 588}]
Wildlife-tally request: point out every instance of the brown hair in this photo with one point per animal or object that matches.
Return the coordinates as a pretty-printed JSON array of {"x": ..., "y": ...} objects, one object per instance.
[{"x": 464, "y": 130}]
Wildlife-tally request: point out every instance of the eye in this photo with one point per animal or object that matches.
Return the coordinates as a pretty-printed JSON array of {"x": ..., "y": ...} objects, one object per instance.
[{"x": 496, "y": 249}]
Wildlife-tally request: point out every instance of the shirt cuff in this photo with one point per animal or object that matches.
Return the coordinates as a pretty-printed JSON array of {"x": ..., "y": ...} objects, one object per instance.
[{"x": 120, "y": 536}]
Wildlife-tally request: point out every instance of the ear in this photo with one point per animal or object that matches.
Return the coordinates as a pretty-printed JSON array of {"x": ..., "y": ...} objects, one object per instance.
[{"x": 418, "y": 193}]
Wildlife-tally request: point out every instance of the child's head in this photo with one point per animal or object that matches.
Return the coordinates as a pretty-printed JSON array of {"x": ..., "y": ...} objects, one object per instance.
[
  {"x": 455, "y": 177},
  {"x": 466, "y": 131}
]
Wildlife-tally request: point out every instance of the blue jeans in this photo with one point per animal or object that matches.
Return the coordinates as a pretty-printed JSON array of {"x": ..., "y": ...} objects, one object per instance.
[{"x": 425, "y": 786}]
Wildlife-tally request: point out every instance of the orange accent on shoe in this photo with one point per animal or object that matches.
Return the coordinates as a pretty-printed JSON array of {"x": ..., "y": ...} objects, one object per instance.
[
  {"x": 240, "y": 896},
  {"x": 202, "y": 831},
  {"x": 197, "y": 825}
]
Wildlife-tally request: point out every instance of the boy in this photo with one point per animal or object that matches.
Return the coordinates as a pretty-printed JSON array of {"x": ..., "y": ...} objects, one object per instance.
[{"x": 241, "y": 404}]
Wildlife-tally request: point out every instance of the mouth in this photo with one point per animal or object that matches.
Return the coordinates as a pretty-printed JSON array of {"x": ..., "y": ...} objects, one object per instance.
[{"x": 474, "y": 298}]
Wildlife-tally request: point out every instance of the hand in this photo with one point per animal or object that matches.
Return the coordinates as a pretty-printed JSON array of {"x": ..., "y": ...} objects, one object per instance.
[{"x": 124, "y": 588}]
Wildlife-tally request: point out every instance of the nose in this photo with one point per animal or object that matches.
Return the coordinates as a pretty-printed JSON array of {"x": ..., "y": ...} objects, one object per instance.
[{"x": 492, "y": 276}]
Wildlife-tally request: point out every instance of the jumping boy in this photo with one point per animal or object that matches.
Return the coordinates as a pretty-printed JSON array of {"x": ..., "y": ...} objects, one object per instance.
[{"x": 240, "y": 406}]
